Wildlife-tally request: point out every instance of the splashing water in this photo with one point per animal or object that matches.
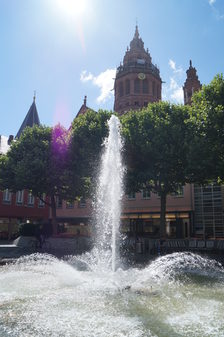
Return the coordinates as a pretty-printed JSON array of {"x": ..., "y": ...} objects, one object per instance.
[
  {"x": 176, "y": 295},
  {"x": 109, "y": 194}
]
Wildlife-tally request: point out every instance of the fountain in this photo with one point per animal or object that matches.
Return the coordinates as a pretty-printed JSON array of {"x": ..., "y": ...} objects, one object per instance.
[
  {"x": 109, "y": 194},
  {"x": 181, "y": 294}
]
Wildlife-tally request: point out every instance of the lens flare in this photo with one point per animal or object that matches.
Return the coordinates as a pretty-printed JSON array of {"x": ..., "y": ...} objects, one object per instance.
[{"x": 72, "y": 8}]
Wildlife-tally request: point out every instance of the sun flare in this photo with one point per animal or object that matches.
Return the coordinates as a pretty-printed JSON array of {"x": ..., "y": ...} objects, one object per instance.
[{"x": 72, "y": 8}]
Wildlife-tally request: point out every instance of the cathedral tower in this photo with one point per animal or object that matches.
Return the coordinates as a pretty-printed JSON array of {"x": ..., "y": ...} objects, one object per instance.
[
  {"x": 191, "y": 84},
  {"x": 137, "y": 81}
]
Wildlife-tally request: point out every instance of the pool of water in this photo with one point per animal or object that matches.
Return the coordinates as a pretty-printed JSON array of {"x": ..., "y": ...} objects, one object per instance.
[{"x": 180, "y": 294}]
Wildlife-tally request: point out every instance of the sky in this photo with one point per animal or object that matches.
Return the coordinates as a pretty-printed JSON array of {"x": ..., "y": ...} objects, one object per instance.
[{"x": 66, "y": 49}]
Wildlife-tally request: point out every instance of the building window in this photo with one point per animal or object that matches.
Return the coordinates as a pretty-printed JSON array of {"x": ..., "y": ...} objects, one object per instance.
[
  {"x": 131, "y": 196},
  {"x": 30, "y": 199},
  {"x": 179, "y": 192},
  {"x": 7, "y": 197},
  {"x": 145, "y": 104},
  {"x": 127, "y": 87},
  {"x": 137, "y": 86},
  {"x": 70, "y": 204},
  {"x": 136, "y": 103},
  {"x": 121, "y": 89},
  {"x": 41, "y": 203},
  {"x": 146, "y": 194},
  {"x": 19, "y": 197},
  {"x": 145, "y": 86},
  {"x": 82, "y": 203},
  {"x": 58, "y": 202}
]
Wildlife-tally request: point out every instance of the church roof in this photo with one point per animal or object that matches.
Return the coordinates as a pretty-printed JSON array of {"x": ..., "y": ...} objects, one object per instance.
[
  {"x": 192, "y": 78},
  {"x": 83, "y": 108},
  {"x": 137, "y": 52},
  {"x": 31, "y": 118}
]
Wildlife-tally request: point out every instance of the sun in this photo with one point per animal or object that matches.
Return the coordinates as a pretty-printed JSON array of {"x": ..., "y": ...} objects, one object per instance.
[{"x": 72, "y": 8}]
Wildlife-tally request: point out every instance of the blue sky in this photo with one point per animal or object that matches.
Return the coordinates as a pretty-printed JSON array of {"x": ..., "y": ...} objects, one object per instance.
[{"x": 65, "y": 49}]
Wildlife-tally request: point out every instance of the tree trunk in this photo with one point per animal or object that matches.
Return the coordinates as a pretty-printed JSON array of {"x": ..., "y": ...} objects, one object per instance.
[
  {"x": 163, "y": 215},
  {"x": 53, "y": 214}
]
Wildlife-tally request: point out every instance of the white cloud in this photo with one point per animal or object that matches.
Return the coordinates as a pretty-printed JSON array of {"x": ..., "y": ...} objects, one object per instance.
[
  {"x": 173, "y": 84},
  {"x": 173, "y": 91},
  {"x": 211, "y": 2},
  {"x": 216, "y": 12},
  {"x": 104, "y": 81},
  {"x": 84, "y": 77},
  {"x": 172, "y": 65},
  {"x": 178, "y": 95}
]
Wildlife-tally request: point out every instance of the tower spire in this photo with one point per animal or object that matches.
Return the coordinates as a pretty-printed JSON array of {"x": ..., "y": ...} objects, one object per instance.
[
  {"x": 136, "y": 31},
  {"x": 31, "y": 118},
  {"x": 34, "y": 96},
  {"x": 137, "y": 80},
  {"x": 191, "y": 84}
]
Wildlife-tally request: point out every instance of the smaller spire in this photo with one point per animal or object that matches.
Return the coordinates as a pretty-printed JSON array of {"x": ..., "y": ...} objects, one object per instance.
[
  {"x": 190, "y": 64},
  {"x": 85, "y": 99},
  {"x": 136, "y": 32},
  {"x": 34, "y": 96}
]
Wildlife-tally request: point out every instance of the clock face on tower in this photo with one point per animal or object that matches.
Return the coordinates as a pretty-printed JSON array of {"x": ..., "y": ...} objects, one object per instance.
[{"x": 141, "y": 76}]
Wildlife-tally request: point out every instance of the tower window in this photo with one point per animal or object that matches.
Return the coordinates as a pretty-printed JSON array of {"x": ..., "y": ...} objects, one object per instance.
[
  {"x": 145, "y": 86},
  {"x": 121, "y": 89},
  {"x": 127, "y": 87},
  {"x": 137, "y": 86}
]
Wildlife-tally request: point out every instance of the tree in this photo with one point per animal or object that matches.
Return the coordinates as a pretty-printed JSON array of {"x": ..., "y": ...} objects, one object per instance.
[
  {"x": 88, "y": 132},
  {"x": 156, "y": 150},
  {"x": 207, "y": 118},
  {"x": 38, "y": 161}
]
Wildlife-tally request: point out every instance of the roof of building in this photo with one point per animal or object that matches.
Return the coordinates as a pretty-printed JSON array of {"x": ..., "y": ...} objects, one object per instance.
[
  {"x": 83, "y": 108},
  {"x": 192, "y": 75},
  {"x": 31, "y": 118}
]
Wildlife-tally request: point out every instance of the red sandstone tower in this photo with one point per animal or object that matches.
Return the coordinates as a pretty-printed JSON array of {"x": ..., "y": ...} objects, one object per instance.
[
  {"x": 137, "y": 81},
  {"x": 191, "y": 84}
]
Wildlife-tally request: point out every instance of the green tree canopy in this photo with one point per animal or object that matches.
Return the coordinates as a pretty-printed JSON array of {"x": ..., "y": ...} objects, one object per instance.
[
  {"x": 207, "y": 143},
  {"x": 38, "y": 161},
  {"x": 156, "y": 150},
  {"x": 88, "y": 132}
]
